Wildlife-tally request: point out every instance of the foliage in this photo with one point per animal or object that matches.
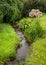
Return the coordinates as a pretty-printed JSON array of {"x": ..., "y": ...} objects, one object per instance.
[
  {"x": 24, "y": 23},
  {"x": 31, "y": 29},
  {"x": 34, "y": 31},
  {"x": 1, "y": 16},
  {"x": 8, "y": 42},
  {"x": 12, "y": 15},
  {"x": 11, "y": 10},
  {"x": 43, "y": 21},
  {"x": 34, "y": 4},
  {"x": 43, "y": 24},
  {"x": 37, "y": 54}
]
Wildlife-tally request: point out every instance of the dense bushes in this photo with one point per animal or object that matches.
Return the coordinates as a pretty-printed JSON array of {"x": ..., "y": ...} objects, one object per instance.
[
  {"x": 34, "y": 31},
  {"x": 12, "y": 15},
  {"x": 43, "y": 21},
  {"x": 31, "y": 28},
  {"x": 37, "y": 55},
  {"x": 8, "y": 43},
  {"x": 1, "y": 16},
  {"x": 34, "y": 4},
  {"x": 11, "y": 10}
]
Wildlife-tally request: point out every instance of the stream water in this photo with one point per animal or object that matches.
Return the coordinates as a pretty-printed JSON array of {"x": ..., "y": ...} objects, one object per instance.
[{"x": 22, "y": 52}]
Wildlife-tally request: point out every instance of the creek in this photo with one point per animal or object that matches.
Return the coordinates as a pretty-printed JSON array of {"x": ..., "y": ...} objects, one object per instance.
[{"x": 22, "y": 51}]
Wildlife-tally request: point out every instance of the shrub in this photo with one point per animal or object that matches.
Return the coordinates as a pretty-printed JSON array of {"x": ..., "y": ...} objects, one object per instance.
[
  {"x": 37, "y": 54},
  {"x": 43, "y": 24},
  {"x": 11, "y": 10},
  {"x": 43, "y": 21},
  {"x": 1, "y": 16},
  {"x": 34, "y": 31},
  {"x": 8, "y": 42},
  {"x": 34, "y": 4},
  {"x": 12, "y": 15},
  {"x": 31, "y": 28},
  {"x": 24, "y": 23}
]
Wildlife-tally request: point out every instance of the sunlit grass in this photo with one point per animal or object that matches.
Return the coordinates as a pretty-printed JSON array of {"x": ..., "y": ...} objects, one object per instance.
[
  {"x": 43, "y": 21},
  {"x": 33, "y": 27},
  {"x": 8, "y": 42},
  {"x": 37, "y": 55}
]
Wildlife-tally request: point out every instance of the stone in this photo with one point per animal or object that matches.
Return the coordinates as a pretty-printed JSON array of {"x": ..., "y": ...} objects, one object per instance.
[{"x": 35, "y": 13}]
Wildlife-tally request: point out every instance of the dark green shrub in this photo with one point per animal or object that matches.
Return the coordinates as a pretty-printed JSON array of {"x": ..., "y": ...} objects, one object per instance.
[
  {"x": 34, "y": 4},
  {"x": 37, "y": 54},
  {"x": 8, "y": 43},
  {"x": 1, "y": 16},
  {"x": 12, "y": 15},
  {"x": 11, "y": 10}
]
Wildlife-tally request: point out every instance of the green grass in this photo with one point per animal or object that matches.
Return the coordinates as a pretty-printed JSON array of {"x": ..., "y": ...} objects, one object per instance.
[
  {"x": 24, "y": 23},
  {"x": 33, "y": 27},
  {"x": 43, "y": 21},
  {"x": 27, "y": 21},
  {"x": 8, "y": 42},
  {"x": 37, "y": 55}
]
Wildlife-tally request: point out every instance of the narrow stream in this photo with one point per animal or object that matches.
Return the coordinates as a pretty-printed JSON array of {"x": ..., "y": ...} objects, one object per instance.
[{"x": 22, "y": 52}]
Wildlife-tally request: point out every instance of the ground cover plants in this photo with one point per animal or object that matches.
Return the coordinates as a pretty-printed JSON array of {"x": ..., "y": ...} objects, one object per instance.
[
  {"x": 8, "y": 42},
  {"x": 14, "y": 18},
  {"x": 37, "y": 55},
  {"x": 33, "y": 27}
]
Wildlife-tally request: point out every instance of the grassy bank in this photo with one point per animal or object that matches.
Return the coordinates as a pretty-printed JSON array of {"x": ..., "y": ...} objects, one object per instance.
[{"x": 8, "y": 42}]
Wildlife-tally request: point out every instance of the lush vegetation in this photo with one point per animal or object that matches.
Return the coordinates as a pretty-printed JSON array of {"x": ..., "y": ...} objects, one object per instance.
[
  {"x": 34, "y": 30},
  {"x": 12, "y": 10},
  {"x": 37, "y": 55},
  {"x": 8, "y": 42},
  {"x": 34, "y": 4},
  {"x": 33, "y": 27}
]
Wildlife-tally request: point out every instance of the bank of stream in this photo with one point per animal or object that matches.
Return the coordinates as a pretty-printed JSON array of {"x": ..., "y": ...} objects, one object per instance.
[{"x": 22, "y": 51}]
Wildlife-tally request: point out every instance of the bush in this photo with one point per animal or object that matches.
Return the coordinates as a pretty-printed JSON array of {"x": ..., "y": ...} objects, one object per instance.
[
  {"x": 31, "y": 28},
  {"x": 34, "y": 4},
  {"x": 11, "y": 10},
  {"x": 24, "y": 23},
  {"x": 43, "y": 24},
  {"x": 8, "y": 42},
  {"x": 12, "y": 15},
  {"x": 34, "y": 31},
  {"x": 37, "y": 54},
  {"x": 1, "y": 16},
  {"x": 43, "y": 21}
]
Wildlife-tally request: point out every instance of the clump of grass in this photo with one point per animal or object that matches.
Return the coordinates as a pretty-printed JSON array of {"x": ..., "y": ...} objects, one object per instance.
[
  {"x": 31, "y": 28},
  {"x": 35, "y": 30},
  {"x": 8, "y": 42},
  {"x": 24, "y": 23},
  {"x": 37, "y": 55},
  {"x": 43, "y": 21},
  {"x": 43, "y": 24}
]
